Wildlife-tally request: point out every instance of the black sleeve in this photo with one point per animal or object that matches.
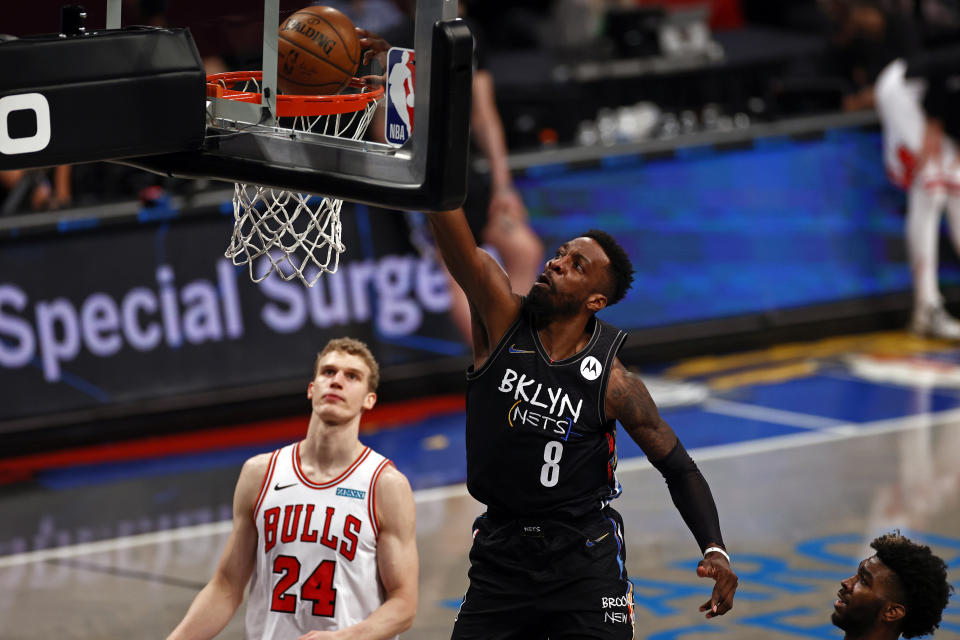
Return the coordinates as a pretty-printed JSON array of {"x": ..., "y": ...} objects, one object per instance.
[{"x": 691, "y": 495}]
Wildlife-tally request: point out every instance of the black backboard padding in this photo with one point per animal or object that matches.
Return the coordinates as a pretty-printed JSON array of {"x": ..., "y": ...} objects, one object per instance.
[{"x": 111, "y": 94}]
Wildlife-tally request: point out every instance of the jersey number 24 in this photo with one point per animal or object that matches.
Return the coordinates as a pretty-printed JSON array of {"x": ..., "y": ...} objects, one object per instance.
[{"x": 317, "y": 588}]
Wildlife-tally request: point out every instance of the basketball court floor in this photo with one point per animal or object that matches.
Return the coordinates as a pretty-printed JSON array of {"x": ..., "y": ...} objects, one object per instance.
[{"x": 811, "y": 450}]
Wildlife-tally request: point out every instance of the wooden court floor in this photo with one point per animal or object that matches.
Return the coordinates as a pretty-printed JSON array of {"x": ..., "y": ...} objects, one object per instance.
[{"x": 823, "y": 463}]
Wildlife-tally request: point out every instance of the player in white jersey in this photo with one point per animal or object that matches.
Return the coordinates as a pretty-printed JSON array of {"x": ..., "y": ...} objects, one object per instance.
[
  {"x": 923, "y": 159},
  {"x": 325, "y": 526}
]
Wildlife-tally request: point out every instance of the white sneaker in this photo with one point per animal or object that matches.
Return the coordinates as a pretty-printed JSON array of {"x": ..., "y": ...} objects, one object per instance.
[{"x": 935, "y": 322}]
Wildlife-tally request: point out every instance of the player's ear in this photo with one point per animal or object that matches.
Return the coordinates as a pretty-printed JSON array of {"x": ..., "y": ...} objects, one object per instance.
[
  {"x": 369, "y": 401},
  {"x": 310, "y": 390},
  {"x": 893, "y": 611},
  {"x": 596, "y": 302}
]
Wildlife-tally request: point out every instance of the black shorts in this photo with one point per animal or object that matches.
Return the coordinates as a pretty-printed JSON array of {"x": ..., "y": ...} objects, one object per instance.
[{"x": 543, "y": 579}]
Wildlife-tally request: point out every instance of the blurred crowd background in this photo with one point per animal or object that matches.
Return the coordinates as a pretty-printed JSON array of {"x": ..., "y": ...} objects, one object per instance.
[{"x": 570, "y": 73}]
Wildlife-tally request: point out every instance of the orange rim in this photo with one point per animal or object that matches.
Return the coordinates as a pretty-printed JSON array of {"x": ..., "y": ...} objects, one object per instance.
[{"x": 293, "y": 105}]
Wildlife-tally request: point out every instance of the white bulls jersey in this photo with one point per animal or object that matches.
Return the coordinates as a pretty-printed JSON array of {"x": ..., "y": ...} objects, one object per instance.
[{"x": 316, "y": 566}]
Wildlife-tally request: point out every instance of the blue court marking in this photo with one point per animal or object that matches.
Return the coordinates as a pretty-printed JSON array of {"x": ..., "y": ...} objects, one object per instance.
[
  {"x": 695, "y": 631},
  {"x": 776, "y": 621},
  {"x": 849, "y": 400},
  {"x": 656, "y": 596},
  {"x": 771, "y": 572}
]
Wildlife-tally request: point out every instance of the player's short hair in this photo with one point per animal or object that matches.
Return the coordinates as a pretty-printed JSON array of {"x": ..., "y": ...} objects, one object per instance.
[
  {"x": 924, "y": 579},
  {"x": 621, "y": 268},
  {"x": 355, "y": 348}
]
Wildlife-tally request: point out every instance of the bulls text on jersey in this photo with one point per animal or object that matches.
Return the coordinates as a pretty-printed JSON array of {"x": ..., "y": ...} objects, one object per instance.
[{"x": 289, "y": 529}]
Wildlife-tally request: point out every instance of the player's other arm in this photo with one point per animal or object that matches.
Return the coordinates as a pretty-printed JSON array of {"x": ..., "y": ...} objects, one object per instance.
[
  {"x": 397, "y": 563},
  {"x": 216, "y": 603},
  {"x": 487, "y": 129},
  {"x": 629, "y": 402},
  {"x": 484, "y": 282}
]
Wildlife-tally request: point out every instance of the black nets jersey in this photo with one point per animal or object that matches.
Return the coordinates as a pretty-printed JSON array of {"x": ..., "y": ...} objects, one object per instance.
[{"x": 538, "y": 440}]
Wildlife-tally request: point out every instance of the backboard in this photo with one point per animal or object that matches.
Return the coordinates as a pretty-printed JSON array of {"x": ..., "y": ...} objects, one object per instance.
[{"x": 427, "y": 172}]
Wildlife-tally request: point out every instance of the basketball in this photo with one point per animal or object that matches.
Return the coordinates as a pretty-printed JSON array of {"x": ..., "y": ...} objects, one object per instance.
[{"x": 318, "y": 52}]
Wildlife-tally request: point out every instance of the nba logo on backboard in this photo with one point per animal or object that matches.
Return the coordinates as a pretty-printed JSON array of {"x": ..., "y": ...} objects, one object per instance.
[{"x": 401, "y": 73}]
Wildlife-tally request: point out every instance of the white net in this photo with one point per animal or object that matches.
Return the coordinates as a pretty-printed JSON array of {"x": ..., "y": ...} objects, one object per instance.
[{"x": 296, "y": 235}]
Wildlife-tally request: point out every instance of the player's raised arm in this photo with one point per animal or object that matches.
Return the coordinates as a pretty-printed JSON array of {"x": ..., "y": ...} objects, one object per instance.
[
  {"x": 482, "y": 279},
  {"x": 629, "y": 402},
  {"x": 216, "y": 603}
]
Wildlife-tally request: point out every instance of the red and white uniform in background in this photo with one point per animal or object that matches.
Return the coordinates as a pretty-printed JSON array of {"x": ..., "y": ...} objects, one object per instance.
[
  {"x": 316, "y": 566},
  {"x": 931, "y": 188},
  {"x": 899, "y": 104}
]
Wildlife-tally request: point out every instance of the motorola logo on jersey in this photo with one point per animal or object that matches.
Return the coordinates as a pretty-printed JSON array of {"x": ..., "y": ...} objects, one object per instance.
[
  {"x": 286, "y": 525},
  {"x": 545, "y": 408},
  {"x": 591, "y": 368}
]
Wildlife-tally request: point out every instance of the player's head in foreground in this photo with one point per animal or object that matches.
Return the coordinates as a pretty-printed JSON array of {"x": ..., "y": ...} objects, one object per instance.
[
  {"x": 345, "y": 379},
  {"x": 900, "y": 590},
  {"x": 587, "y": 274}
]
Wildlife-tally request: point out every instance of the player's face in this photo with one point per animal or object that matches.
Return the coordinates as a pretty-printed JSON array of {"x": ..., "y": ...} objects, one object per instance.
[
  {"x": 862, "y": 597},
  {"x": 339, "y": 390},
  {"x": 572, "y": 277}
]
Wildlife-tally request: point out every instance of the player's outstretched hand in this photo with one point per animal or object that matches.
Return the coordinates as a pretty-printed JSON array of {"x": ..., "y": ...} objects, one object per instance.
[
  {"x": 716, "y": 566},
  {"x": 373, "y": 46}
]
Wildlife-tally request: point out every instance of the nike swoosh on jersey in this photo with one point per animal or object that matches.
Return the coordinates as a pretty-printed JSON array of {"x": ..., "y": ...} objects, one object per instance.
[
  {"x": 277, "y": 486},
  {"x": 513, "y": 349},
  {"x": 590, "y": 543}
]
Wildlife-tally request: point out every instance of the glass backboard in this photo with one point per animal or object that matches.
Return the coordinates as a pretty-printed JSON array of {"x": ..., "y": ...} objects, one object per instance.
[{"x": 245, "y": 142}]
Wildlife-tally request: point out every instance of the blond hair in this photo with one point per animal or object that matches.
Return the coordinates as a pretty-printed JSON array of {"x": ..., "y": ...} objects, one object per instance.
[{"x": 354, "y": 348}]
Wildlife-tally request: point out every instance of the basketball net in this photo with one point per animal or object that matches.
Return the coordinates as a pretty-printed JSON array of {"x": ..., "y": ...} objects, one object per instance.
[{"x": 296, "y": 235}]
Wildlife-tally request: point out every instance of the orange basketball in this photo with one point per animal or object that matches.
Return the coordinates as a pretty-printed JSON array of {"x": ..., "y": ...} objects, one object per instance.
[{"x": 318, "y": 52}]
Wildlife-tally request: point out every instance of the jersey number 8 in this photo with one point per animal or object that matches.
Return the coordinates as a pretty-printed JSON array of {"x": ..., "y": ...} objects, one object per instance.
[{"x": 550, "y": 471}]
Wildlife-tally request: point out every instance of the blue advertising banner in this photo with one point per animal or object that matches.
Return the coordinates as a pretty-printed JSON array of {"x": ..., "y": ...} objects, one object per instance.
[
  {"x": 119, "y": 315},
  {"x": 718, "y": 233}
]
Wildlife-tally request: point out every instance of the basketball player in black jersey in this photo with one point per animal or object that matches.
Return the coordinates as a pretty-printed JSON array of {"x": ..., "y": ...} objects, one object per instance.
[{"x": 543, "y": 395}]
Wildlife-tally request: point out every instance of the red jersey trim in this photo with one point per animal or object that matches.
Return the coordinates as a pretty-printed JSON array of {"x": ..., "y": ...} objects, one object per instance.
[
  {"x": 372, "y": 502},
  {"x": 266, "y": 482},
  {"x": 326, "y": 485}
]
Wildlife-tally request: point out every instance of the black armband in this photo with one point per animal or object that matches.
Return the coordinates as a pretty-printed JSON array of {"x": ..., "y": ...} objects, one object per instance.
[{"x": 691, "y": 495}]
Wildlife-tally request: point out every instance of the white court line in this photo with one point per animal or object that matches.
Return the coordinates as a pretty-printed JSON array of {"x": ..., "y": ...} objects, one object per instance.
[
  {"x": 701, "y": 454},
  {"x": 114, "y": 544},
  {"x": 767, "y": 414}
]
